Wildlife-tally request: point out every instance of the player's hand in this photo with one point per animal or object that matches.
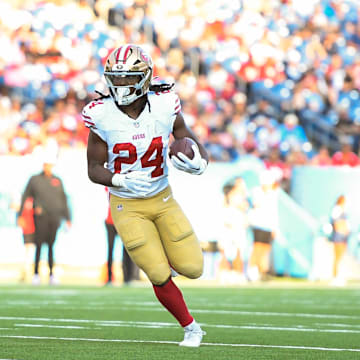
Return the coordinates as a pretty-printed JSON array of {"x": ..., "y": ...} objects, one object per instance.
[
  {"x": 68, "y": 225},
  {"x": 196, "y": 165},
  {"x": 21, "y": 221},
  {"x": 137, "y": 182}
]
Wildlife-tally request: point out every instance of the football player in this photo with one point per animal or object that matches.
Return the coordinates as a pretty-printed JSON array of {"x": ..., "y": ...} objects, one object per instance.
[{"x": 126, "y": 151}]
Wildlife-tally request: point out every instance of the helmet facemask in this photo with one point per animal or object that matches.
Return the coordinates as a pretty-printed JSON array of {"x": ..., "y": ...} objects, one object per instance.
[{"x": 125, "y": 86}]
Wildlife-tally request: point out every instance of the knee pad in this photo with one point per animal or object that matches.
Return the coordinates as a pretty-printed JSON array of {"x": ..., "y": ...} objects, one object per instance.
[
  {"x": 191, "y": 270},
  {"x": 186, "y": 257},
  {"x": 158, "y": 274}
]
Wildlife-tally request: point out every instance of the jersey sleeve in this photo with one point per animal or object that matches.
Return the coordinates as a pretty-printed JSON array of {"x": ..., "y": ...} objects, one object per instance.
[
  {"x": 177, "y": 105},
  {"x": 167, "y": 102},
  {"x": 173, "y": 106},
  {"x": 92, "y": 114}
]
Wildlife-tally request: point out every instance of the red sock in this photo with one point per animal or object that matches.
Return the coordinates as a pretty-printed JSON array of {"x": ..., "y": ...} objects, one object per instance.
[{"x": 171, "y": 298}]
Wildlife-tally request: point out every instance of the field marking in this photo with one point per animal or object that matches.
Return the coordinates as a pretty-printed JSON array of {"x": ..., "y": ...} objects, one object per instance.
[
  {"x": 45, "y": 291},
  {"x": 235, "y": 312},
  {"x": 279, "y": 328},
  {"x": 150, "y": 325},
  {"x": 269, "y": 313},
  {"x": 72, "y": 327},
  {"x": 84, "y": 320},
  {"x": 153, "y": 305},
  {"x": 37, "y": 302},
  {"x": 255, "y": 313},
  {"x": 338, "y": 325},
  {"x": 175, "y": 342},
  {"x": 161, "y": 325},
  {"x": 150, "y": 303}
]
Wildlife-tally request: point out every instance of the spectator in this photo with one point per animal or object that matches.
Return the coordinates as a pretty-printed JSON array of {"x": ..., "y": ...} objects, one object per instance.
[
  {"x": 345, "y": 156},
  {"x": 50, "y": 207},
  {"x": 322, "y": 158},
  {"x": 26, "y": 222},
  {"x": 278, "y": 166},
  {"x": 339, "y": 237},
  {"x": 262, "y": 108},
  {"x": 278, "y": 56},
  {"x": 292, "y": 134},
  {"x": 296, "y": 158},
  {"x": 267, "y": 134},
  {"x": 233, "y": 243},
  {"x": 264, "y": 223}
]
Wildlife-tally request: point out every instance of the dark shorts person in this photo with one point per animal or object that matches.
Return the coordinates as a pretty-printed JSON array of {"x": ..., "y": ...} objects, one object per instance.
[
  {"x": 28, "y": 238},
  {"x": 262, "y": 236}
]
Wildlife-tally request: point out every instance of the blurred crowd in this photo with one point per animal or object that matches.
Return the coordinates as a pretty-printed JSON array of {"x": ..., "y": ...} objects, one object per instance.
[{"x": 249, "y": 73}]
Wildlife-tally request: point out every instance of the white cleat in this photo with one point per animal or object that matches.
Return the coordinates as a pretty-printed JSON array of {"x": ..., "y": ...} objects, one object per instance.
[
  {"x": 53, "y": 280},
  {"x": 193, "y": 335},
  {"x": 36, "y": 279}
]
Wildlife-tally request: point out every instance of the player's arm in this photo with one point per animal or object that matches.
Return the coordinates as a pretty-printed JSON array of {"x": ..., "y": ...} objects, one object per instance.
[
  {"x": 28, "y": 192},
  {"x": 97, "y": 151},
  {"x": 198, "y": 163},
  {"x": 180, "y": 130},
  {"x": 96, "y": 159}
]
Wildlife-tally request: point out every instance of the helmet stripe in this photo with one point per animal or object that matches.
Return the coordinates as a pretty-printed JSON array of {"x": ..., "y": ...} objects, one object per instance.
[
  {"x": 118, "y": 54},
  {"x": 126, "y": 53}
]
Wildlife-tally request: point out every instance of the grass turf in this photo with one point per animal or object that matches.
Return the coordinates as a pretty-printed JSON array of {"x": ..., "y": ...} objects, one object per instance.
[{"x": 63, "y": 322}]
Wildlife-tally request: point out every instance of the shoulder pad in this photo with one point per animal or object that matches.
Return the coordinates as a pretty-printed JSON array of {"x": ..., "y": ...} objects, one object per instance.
[{"x": 169, "y": 100}]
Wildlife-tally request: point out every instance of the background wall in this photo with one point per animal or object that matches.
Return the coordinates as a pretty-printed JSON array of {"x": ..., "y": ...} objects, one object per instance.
[{"x": 84, "y": 245}]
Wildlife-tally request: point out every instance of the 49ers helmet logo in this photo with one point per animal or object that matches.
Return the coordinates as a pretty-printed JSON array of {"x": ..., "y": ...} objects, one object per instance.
[{"x": 144, "y": 56}]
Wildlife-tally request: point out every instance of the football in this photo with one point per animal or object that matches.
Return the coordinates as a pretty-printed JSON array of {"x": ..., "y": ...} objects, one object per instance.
[{"x": 184, "y": 146}]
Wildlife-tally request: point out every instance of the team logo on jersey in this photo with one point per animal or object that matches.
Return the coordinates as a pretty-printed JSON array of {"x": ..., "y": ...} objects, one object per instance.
[
  {"x": 55, "y": 182},
  {"x": 119, "y": 207},
  {"x": 138, "y": 136},
  {"x": 136, "y": 124}
]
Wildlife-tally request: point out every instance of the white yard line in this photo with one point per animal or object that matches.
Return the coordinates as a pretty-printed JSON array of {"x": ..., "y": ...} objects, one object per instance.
[
  {"x": 161, "y": 325},
  {"x": 276, "y": 328},
  {"x": 84, "y": 320},
  {"x": 255, "y": 313},
  {"x": 174, "y": 342},
  {"x": 235, "y": 312},
  {"x": 56, "y": 326},
  {"x": 338, "y": 325},
  {"x": 349, "y": 304},
  {"x": 268, "y": 313},
  {"x": 45, "y": 291},
  {"x": 153, "y": 306}
]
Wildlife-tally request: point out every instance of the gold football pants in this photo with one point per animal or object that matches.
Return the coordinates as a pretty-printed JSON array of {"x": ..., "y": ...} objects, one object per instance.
[{"x": 157, "y": 234}]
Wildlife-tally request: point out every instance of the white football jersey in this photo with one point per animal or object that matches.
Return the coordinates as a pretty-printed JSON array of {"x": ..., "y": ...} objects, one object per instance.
[{"x": 136, "y": 144}]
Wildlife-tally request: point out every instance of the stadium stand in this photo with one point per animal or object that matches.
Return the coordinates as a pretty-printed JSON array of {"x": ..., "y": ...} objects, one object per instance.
[{"x": 236, "y": 90}]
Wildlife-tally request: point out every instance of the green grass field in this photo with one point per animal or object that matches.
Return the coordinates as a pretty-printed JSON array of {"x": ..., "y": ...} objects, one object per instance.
[{"x": 272, "y": 322}]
